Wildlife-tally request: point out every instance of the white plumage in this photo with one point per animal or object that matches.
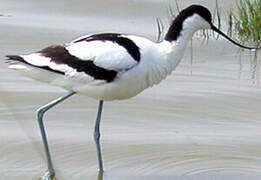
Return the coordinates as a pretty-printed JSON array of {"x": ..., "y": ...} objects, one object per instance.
[
  {"x": 111, "y": 66},
  {"x": 104, "y": 54},
  {"x": 132, "y": 76},
  {"x": 135, "y": 63}
]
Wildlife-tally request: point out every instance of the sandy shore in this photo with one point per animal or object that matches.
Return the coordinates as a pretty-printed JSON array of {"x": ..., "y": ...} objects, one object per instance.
[{"x": 202, "y": 122}]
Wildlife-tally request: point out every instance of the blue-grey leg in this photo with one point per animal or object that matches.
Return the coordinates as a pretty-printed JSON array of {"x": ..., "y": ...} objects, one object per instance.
[
  {"x": 40, "y": 113},
  {"x": 97, "y": 135}
]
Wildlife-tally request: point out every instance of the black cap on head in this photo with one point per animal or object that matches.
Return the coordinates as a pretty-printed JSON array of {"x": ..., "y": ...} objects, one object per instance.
[
  {"x": 176, "y": 27},
  {"x": 200, "y": 10}
]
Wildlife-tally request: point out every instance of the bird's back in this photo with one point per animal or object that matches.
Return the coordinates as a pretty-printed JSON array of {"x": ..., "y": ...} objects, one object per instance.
[{"x": 104, "y": 66}]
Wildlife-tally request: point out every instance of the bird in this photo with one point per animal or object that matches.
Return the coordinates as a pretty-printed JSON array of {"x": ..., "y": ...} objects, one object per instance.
[{"x": 110, "y": 66}]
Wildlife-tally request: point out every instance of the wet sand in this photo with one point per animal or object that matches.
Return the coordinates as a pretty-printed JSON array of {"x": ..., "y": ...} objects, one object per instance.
[{"x": 202, "y": 122}]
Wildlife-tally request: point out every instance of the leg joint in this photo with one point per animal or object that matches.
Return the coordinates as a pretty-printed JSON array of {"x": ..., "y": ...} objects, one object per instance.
[
  {"x": 40, "y": 112},
  {"x": 96, "y": 135}
]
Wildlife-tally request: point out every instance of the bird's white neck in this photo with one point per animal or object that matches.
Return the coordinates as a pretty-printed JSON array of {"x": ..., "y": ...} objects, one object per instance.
[
  {"x": 177, "y": 46},
  {"x": 173, "y": 47},
  {"x": 173, "y": 52}
]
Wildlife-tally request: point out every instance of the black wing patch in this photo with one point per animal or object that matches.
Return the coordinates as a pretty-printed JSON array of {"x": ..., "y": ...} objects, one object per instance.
[
  {"x": 60, "y": 55},
  {"x": 127, "y": 43}
]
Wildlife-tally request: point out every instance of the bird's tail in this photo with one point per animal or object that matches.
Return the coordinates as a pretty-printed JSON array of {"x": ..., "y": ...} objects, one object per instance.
[
  {"x": 12, "y": 59},
  {"x": 17, "y": 62}
]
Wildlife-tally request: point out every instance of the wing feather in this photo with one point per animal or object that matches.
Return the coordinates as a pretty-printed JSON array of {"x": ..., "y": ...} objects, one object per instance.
[
  {"x": 97, "y": 59},
  {"x": 105, "y": 54}
]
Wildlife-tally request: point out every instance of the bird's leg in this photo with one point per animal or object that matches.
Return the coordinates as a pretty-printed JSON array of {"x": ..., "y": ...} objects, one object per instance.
[
  {"x": 100, "y": 175},
  {"x": 40, "y": 113},
  {"x": 97, "y": 136}
]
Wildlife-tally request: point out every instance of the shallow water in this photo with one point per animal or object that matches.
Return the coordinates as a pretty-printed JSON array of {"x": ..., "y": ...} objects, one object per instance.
[{"x": 202, "y": 122}]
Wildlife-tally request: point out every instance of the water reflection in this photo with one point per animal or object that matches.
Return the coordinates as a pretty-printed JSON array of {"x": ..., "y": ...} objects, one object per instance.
[{"x": 100, "y": 175}]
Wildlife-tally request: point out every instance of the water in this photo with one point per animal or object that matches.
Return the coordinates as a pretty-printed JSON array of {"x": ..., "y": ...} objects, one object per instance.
[{"x": 204, "y": 125}]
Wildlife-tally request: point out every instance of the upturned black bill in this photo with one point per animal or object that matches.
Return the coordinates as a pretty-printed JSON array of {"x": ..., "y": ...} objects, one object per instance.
[{"x": 234, "y": 42}]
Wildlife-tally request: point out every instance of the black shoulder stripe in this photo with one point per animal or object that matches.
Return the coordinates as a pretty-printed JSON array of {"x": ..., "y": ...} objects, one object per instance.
[
  {"x": 127, "y": 43},
  {"x": 60, "y": 55}
]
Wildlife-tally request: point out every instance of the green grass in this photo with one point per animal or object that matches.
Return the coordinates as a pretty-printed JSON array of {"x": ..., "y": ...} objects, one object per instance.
[{"x": 244, "y": 23}]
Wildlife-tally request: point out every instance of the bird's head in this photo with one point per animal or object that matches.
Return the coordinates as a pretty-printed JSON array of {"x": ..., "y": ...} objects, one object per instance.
[
  {"x": 198, "y": 16},
  {"x": 195, "y": 17}
]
